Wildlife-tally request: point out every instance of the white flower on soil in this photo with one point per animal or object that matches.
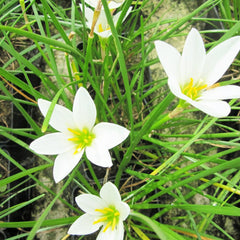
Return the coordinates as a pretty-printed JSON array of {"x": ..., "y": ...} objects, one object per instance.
[
  {"x": 192, "y": 76},
  {"x": 102, "y": 28},
  {"x": 106, "y": 212},
  {"x": 76, "y": 134}
]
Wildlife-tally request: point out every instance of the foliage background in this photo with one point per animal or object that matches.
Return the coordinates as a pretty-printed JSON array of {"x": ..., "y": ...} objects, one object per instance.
[{"x": 181, "y": 180}]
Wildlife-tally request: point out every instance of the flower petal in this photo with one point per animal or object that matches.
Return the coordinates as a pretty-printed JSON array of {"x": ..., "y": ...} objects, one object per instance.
[
  {"x": 110, "y": 193},
  {"x": 104, "y": 34},
  {"x": 215, "y": 108},
  {"x": 111, "y": 4},
  {"x": 219, "y": 59},
  {"x": 51, "y": 144},
  {"x": 88, "y": 15},
  {"x": 61, "y": 119},
  {"x": 169, "y": 58},
  {"x": 84, "y": 225},
  {"x": 89, "y": 203},
  {"x": 175, "y": 88},
  {"x": 109, "y": 234},
  {"x": 115, "y": 4},
  {"x": 123, "y": 209},
  {"x": 103, "y": 31},
  {"x": 65, "y": 163},
  {"x": 223, "y": 92},
  {"x": 92, "y": 3},
  {"x": 84, "y": 110},
  {"x": 193, "y": 57},
  {"x": 109, "y": 135},
  {"x": 98, "y": 155}
]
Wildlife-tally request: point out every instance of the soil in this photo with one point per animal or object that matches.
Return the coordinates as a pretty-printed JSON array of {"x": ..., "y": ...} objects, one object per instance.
[{"x": 5, "y": 116}]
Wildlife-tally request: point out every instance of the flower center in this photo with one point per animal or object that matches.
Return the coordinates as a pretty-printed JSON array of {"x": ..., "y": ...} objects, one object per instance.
[
  {"x": 82, "y": 138},
  {"x": 110, "y": 216},
  {"x": 193, "y": 91}
]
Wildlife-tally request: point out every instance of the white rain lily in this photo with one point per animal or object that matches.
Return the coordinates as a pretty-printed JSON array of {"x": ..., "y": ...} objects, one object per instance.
[
  {"x": 192, "y": 76},
  {"x": 111, "y": 4},
  {"x": 102, "y": 28},
  {"x": 76, "y": 134},
  {"x": 106, "y": 212}
]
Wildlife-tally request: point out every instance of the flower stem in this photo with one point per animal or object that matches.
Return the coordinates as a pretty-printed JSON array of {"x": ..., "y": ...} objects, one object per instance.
[
  {"x": 88, "y": 58},
  {"x": 95, "y": 18},
  {"x": 167, "y": 117}
]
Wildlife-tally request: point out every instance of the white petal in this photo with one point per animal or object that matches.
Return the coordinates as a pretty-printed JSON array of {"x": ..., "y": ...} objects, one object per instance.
[
  {"x": 114, "y": 5},
  {"x": 219, "y": 59},
  {"x": 169, "y": 58},
  {"x": 51, "y": 144},
  {"x": 98, "y": 155},
  {"x": 110, "y": 193},
  {"x": 123, "y": 209},
  {"x": 61, "y": 118},
  {"x": 84, "y": 110},
  {"x": 117, "y": 15},
  {"x": 215, "y": 108},
  {"x": 102, "y": 20},
  {"x": 120, "y": 231},
  {"x": 84, "y": 225},
  {"x": 116, "y": 234},
  {"x": 193, "y": 57},
  {"x": 109, "y": 135},
  {"x": 88, "y": 15},
  {"x": 92, "y": 3},
  {"x": 175, "y": 87},
  {"x": 65, "y": 163},
  {"x": 89, "y": 203},
  {"x": 111, "y": 4},
  {"x": 127, "y": 13},
  {"x": 104, "y": 34},
  {"x": 223, "y": 92}
]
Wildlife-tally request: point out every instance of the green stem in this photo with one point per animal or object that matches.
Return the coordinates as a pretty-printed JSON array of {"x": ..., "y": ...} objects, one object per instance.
[
  {"x": 167, "y": 117},
  {"x": 87, "y": 58}
]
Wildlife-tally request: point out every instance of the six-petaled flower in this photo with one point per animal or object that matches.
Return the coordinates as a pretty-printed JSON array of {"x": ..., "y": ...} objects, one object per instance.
[
  {"x": 192, "y": 76},
  {"x": 102, "y": 28},
  {"x": 106, "y": 212},
  {"x": 77, "y": 134}
]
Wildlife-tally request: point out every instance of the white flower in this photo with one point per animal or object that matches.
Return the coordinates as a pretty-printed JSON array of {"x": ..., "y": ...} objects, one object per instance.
[
  {"x": 106, "y": 211},
  {"x": 111, "y": 4},
  {"x": 76, "y": 134},
  {"x": 102, "y": 28},
  {"x": 192, "y": 76}
]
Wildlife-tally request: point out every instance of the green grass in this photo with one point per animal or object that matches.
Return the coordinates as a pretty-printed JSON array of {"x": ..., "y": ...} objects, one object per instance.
[{"x": 160, "y": 173}]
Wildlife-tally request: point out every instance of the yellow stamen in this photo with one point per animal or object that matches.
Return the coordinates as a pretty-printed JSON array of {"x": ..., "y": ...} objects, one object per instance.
[
  {"x": 192, "y": 91},
  {"x": 109, "y": 209},
  {"x": 107, "y": 226},
  {"x": 116, "y": 214},
  {"x": 100, "y": 28},
  {"x": 74, "y": 131},
  {"x": 73, "y": 139},
  {"x": 110, "y": 217},
  {"x": 114, "y": 223},
  {"x": 103, "y": 219},
  {"x": 101, "y": 211},
  {"x": 81, "y": 138}
]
